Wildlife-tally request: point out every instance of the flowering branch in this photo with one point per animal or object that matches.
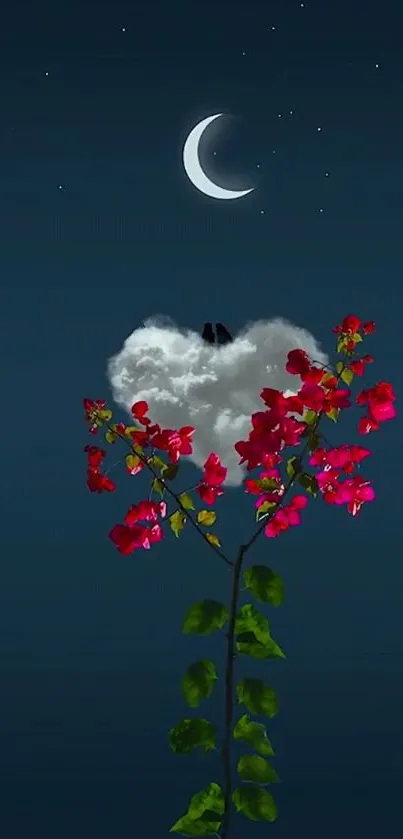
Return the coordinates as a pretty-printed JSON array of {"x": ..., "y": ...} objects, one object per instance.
[
  {"x": 115, "y": 431},
  {"x": 248, "y": 633}
]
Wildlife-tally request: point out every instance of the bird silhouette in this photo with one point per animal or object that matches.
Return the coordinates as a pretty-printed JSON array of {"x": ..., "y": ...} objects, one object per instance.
[
  {"x": 223, "y": 336},
  {"x": 208, "y": 334}
]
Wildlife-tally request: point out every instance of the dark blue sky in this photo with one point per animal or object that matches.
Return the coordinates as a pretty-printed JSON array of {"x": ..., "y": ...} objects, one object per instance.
[{"x": 91, "y": 650}]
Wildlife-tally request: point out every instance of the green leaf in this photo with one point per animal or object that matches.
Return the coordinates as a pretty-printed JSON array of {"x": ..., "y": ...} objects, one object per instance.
[
  {"x": 157, "y": 463},
  {"x": 249, "y": 619},
  {"x": 204, "y": 814},
  {"x": 186, "y": 501},
  {"x": 257, "y": 696},
  {"x": 253, "y": 635},
  {"x": 247, "y": 645},
  {"x": 256, "y": 769},
  {"x": 111, "y": 435},
  {"x": 313, "y": 441},
  {"x": 309, "y": 483},
  {"x": 347, "y": 376},
  {"x": 292, "y": 466},
  {"x": 263, "y": 509},
  {"x": 132, "y": 462},
  {"x": 213, "y": 539},
  {"x": 357, "y": 337},
  {"x": 333, "y": 414},
  {"x": 209, "y": 800},
  {"x": 192, "y": 734},
  {"x": 158, "y": 487},
  {"x": 169, "y": 471},
  {"x": 177, "y": 522},
  {"x": 253, "y": 733},
  {"x": 264, "y": 584},
  {"x": 198, "y": 682},
  {"x": 187, "y": 827},
  {"x": 255, "y": 803},
  {"x": 205, "y": 617},
  {"x": 206, "y": 517},
  {"x": 266, "y": 484},
  {"x": 103, "y": 416},
  {"x": 310, "y": 417}
]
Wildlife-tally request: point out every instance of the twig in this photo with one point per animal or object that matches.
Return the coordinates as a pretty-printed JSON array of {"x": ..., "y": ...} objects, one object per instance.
[{"x": 173, "y": 494}]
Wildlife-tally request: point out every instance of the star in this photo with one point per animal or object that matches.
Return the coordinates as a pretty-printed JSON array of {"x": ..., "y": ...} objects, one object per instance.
[
  {"x": 319, "y": 129},
  {"x": 321, "y": 209},
  {"x": 273, "y": 28},
  {"x": 244, "y": 53},
  {"x": 262, "y": 212},
  {"x": 327, "y": 174},
  {"x": 376, "y": 66},
  {"x": 60, "y": 186},
  {"x": 46, "y": 73},
  {"x": 123, "y": 29}
]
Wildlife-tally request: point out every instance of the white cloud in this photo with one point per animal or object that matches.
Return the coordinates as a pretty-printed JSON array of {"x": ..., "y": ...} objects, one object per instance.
[{"x": 214, "y": 388}]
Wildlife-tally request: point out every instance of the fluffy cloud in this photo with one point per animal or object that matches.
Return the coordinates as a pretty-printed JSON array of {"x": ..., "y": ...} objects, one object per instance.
[{"x": 214, "y": 388}]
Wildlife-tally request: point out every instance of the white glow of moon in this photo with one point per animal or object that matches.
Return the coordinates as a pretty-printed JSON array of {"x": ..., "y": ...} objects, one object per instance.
[{"x": 194, "y": 169}]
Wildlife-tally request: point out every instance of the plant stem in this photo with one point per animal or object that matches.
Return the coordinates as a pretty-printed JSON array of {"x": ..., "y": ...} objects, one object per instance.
[
  {"x": 229, "y": 689},
  {"x": 231, "y": 654}
]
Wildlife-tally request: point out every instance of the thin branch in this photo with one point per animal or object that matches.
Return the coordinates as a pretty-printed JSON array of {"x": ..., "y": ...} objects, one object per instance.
[{"x": 173, "y": 494}]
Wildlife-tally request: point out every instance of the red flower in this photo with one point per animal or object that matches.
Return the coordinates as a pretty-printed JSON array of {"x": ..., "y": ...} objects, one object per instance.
[
  {"x": 358, "y": 366},
  {"x": 127, "y": 539},
  {"x": 380, "y": 400},
  {"x": 214, "y": 475},
  {"x": 99, "y": 483},
  {"x": 366, "y": 425},
  {"x": 315, "y": 375},
  {"x": 95, "y": 456},
  {"x": 139, "y": 437},
  {"x": 286, "y": 517},
  {"x": 139, "y": 410},
  {"x": 343, "y": 457},
  {"x": 355, "y": 492},
  {"x": 328, "y": 484},
  {"x": 272, "y": 429},
  {"x": 315, "y": 398},
  {"x": 297, "y": 362},
  {"x": 131, "y": 535},
  {"x": 91, "y": 409},
  {"x": 214, "y": 472},
  {"x": 91, "y": 406},
  {"x": 368, "y": 327},
  {"x": 145, "y": 511},
  {"x": 349, "y": 325},
  {"x": 174, "y": 442}
]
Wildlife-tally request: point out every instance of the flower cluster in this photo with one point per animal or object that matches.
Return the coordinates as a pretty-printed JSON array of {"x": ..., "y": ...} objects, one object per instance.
[{"x": 287, "y": 422}]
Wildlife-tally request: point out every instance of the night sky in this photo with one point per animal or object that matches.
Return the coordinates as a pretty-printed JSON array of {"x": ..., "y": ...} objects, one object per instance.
[{"x": 100, "y": 228}]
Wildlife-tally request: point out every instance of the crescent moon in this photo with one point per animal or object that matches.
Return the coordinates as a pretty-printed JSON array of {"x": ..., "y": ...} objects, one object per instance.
[{"x": 194, "y": 169}]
